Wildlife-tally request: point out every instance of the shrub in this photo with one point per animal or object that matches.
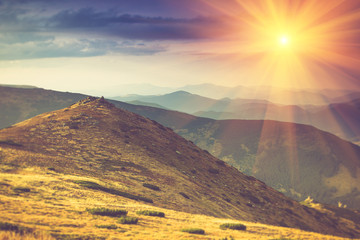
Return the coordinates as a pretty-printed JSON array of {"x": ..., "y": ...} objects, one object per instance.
[
  {"x": 107, "y": 212},
  {"x": 220, "y": 162},
  {"x": 89, "y": 184},
  {"x": 230, "y": 238},
  {"x": 10, "y": 142},
  {"x": 184, "y": 195},
  {"x": 193, "y": 230},
  {"x": 96, "y": 186},
  {"x": 112, "y": 226},
  {"x": 153, "y": 187},
  {"x": 213, "y": 171},
  {"x": 233, "y": 226},
  {"x": 151, "y": 213},
  {"x": 128, "y": 220},
  {"x": 5, "y": 226},
  {"x": 281, "y": 238},
  {"x": 21, "y": 189},
  {"x": 59, "y": 236}
]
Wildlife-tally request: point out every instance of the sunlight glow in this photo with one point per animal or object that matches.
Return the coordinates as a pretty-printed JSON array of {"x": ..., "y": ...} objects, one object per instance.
[
  {"x": 284, "y": 40},
  {"x": 294, "y": 44}
]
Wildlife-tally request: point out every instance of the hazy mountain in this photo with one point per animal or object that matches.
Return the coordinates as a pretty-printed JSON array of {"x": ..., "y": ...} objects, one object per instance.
[
  {"x": 267, "y": 93},
  {"x": 94, "y": 139},
  {"x": 275, "y": 95},
  {"x": 342, "y": 119},
  {"x": 192, "y": 103},
  {"x": 18, "y": 104},
  {"x": 324, "y": 165},
  {"x": 136, "y": 102},
  {"x": 180, "y": 101}
]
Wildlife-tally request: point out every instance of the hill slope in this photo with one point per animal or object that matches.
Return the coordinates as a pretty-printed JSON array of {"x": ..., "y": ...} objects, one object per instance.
[
  {"x": 56, "y": 206},
  {"x": 95, "y": 139},
  {"x": 302, "y": 160}
]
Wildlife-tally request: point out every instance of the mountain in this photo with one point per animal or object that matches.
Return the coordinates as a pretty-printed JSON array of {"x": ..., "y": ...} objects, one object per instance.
[
  {"x": 296, "y": 159},
  {"x": 243, "y": 143},
  {"x": 125, "y": 152},
  {"x": 18, "y": 104},
  {"x": 180, "y": 101},
  {"x": 275, "y": 95},
  {"x": 136, "y": 102},
  {"x": 342, "y": 118},
  {"x": 195, "y": 104}
]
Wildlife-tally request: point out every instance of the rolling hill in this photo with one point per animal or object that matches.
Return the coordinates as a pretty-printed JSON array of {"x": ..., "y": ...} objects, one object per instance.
[
  {"x": 302, "y": 160},
  {"x": 136, "y": 158}
]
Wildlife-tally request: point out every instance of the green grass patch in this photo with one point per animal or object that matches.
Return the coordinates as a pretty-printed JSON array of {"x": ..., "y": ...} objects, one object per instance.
[
  {"x": 151, "y": 213},
  {"x": 233, "y": 226},
  {"x": 193, "y": 230},
  {"x": 96, "y": 186},
  {"x": 112, "y": 226},
  {"x": 107, "y": 212},
  {"x": 128, "y": 220},
  {"x": 153, "y": 187}
]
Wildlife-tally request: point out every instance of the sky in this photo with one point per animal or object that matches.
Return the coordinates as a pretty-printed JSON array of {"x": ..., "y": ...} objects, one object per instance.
[{"x": 93, "y": 46}]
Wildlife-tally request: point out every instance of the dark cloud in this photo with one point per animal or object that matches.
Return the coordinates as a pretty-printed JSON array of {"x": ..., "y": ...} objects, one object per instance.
[
  {"x": 131, "y": 26},
  {"x": 34, "y": 29}
]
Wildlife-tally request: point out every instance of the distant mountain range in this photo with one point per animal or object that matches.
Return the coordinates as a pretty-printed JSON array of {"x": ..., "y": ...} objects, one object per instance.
[
  {"x": 120, "y": 153},
  {"x": 296, "y": 159},
  {"x": 342, "y": 119},
  {"x": 275, "y": 95}
]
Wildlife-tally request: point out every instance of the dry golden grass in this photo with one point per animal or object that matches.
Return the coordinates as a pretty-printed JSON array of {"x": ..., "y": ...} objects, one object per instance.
[
  {"x": 56, "y": 206},
  {"x": 6, "y": 235}
]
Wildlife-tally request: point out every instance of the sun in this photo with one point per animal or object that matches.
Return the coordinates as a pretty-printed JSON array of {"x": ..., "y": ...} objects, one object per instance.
[{"x": 284, "y": 40}]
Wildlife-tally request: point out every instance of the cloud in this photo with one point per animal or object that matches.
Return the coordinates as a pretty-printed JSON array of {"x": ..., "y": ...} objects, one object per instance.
[
  {"x": 49, "y": 47},
  {"x": 43, "y": 29},
  {"x": 131, "y": 26}
]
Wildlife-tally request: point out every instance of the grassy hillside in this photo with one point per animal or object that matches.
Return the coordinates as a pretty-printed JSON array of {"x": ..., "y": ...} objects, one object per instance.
[
  {"x": 123, "y": 154},
  {"x": 295, "y": 159},
  {"x": 58, "y": 208}
]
